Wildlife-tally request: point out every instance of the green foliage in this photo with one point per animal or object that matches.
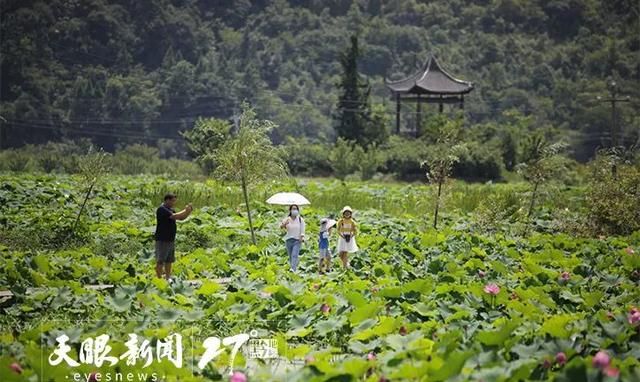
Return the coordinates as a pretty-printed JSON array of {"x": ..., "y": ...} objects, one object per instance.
[
  {"x": 167, "y": 63},
  {"x": 354, "y": 107},
  {"x": 248, "y": 155},
  {"x": 368, "y": 161},
  {"x": 404, "y": 158},
  {"x": 307, "y": 158},
  {"x": 613, "y": 202},
  {"x": 414, "y": 296},
  {"x": 342, "y": 159},
  {"x": 442, "y": 156},
  {"x": 446, "y": 152},
  {"x": 205, "y": 138},
  {"x": 541, "y": 162},
  {"x": 66, "y": 157}
]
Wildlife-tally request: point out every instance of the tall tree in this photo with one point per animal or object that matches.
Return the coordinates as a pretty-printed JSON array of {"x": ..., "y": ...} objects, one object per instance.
[
  {"x": 442, "y": 156},
  {"x": 541, "y": 161},
  {"x": 353, "y": 105},
  {"x": 249, "y": 156}
]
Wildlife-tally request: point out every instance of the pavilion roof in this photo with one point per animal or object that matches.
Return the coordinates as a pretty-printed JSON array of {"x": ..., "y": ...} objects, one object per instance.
[{"x": 432, "y": 79}]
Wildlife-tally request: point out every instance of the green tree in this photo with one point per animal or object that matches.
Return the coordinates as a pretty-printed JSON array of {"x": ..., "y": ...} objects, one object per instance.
[
  {"x": 442, "y": 156},
  {"x": 541, "y": 161},
  {"x": 248, "y": 156},
  {"x": 368, "y": 161},
  {"x": 509, "y": 151},
  {"x": 353, "y": 105},
  {"x": 93, "y": 167},
  {"x": 206, "y": 137},
  {"x": 342, "y": 159}
]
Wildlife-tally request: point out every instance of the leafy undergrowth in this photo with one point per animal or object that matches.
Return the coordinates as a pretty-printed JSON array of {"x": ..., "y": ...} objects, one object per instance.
[{"x": 418, "y": 305}]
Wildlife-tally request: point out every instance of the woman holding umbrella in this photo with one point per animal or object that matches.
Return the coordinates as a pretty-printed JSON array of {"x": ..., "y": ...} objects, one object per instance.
[{"x": 294, "y": 225}]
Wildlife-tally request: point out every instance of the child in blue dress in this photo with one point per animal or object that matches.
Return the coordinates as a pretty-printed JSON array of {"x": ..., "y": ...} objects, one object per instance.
[{"x": 324, "y": 263}]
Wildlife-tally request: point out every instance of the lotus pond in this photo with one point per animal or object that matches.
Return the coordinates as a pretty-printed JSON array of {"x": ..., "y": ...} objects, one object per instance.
[{"x": 456, "y": 304}]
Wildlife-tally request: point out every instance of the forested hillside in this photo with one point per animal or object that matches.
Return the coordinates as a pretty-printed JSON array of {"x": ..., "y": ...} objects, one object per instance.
[{"x": 141, "y": 71}]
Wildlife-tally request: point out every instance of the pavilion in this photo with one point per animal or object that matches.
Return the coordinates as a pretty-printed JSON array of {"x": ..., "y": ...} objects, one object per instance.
[{"x": 432, "y": 84}]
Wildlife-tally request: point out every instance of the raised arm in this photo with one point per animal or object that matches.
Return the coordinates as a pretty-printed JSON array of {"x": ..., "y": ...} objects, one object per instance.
[{"x": 182, "y": 214}]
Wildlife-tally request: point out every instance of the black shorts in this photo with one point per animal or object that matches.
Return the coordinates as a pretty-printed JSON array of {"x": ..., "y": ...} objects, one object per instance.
[{"x": 165, "y": 252}]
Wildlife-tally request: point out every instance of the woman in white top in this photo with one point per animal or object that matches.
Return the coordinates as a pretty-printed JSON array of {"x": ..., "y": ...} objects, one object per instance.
[{"x": 294, "y": 225}]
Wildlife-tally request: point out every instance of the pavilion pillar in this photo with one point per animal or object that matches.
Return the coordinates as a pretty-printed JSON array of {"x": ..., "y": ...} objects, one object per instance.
[
  {"x": 418, "y": 114},
  {"x": 441, "y": 108},
  {"x": 462, "y": 102},
  {"x": 398, "y": 113}
]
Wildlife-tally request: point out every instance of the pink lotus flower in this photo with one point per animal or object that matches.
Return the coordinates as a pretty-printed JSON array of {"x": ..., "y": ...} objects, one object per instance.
[
  {"x": 16, "y": 368},
  {"x": 565, "y": 276},
  {"x": 601, "y": 360},
  {"x": 309, "y": 359},
  {"x": 492, "y": 289},
  {"x": 371, "y": 356},
  {"x": 629, "y": 251},
  {"x": 325, "y": 308},
  {"x": 481, "y": 273},
  {"x": 561, "y": 358},
  {"x": 611, "y": 371},
  {"x": 634, "y": 316},
  {"x": 238, "y": 376}
]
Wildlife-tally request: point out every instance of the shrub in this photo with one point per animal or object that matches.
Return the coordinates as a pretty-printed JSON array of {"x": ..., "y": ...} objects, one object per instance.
[
  {"x": 478, "y": 163},
  {"x": 342, "y": 159},
  {"x": 614, "y": 203},
  {"x": 405, "y": 156},
  {"x": 306, "y": 158},
  {"x": 368, "y": 161}
]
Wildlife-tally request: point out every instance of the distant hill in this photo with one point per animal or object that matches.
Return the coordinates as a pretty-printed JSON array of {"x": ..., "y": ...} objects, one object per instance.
[{"x": 123, "y": 71}]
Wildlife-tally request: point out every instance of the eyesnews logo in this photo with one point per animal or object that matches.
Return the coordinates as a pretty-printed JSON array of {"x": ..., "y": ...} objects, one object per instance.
[{"x": 113, "y": 377}]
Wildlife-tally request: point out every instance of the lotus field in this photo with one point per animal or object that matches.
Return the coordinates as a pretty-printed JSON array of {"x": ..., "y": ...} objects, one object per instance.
[{"x": 470, "y": 301}]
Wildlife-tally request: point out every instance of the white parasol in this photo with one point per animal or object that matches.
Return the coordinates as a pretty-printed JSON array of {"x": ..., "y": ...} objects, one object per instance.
[
  {"x": 331, "y": 223},
  {"x": 288, "y": 198}
]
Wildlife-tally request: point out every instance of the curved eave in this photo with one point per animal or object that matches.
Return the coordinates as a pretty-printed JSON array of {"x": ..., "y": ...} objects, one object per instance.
[{"x": 423, "y": 82}]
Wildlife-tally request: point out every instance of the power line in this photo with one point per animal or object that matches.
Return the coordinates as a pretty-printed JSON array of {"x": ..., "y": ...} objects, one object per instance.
[{"x": 121, "y": 134}]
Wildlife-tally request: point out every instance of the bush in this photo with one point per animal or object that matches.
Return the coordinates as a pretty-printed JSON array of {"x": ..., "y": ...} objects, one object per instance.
[
  {"x": 307, "y": 158},
  {"x": 404, "y": 157},
  {"x": 614, "y": 203},
  {"x": 368, "y": 161},
  {"x": 479, "y": 163},
  {"x": 67, "y": 157},
  {"x": 501, "y": 209},
  {"x": 343, "y": 160}
]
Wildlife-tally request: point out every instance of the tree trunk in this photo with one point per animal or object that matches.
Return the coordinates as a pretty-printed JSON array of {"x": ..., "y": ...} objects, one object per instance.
[
  {"x": 84, "y": 203},
  {"x": 435, "y": 215},
  {"x": 533, "y": 201},
  {"x": 246, "y": 203}
]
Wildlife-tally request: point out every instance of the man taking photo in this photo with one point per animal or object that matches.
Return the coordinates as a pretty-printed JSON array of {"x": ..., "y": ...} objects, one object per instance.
[{"x": 165, "y": 234}]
